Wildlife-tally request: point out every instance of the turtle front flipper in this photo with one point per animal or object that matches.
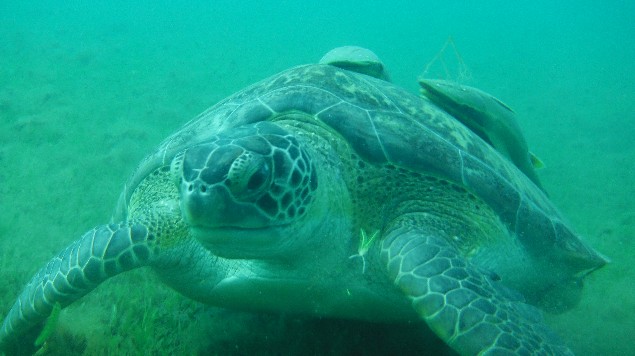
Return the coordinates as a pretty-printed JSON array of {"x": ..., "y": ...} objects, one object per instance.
[
  {"x": 99, "y": 254},
  {"x": 465, "y": 307}
]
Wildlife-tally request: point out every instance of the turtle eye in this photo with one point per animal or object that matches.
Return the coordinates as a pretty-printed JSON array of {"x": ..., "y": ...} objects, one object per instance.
[
  {"x": 259, "y": 178},
  {"x": 248, "y": 176}
]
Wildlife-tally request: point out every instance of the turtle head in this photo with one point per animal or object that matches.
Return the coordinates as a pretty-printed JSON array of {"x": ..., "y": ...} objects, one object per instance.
[{"x": 243, "y": 187}]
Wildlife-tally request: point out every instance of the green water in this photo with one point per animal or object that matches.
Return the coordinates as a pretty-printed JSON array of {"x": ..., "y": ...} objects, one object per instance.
[{"x": 87, "y": 89}]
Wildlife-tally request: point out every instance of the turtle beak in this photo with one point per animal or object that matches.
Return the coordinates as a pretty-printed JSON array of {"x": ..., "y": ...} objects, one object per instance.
[
  {"x": 213, "y": 206},
  {"x": 199, "y": 204}
]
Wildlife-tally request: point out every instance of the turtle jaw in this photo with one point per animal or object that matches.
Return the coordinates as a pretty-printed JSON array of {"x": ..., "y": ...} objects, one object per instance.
[
  {"x": 228, "y": 228},
  {"x": 243, "y": 243},
  {"x": 213, "y": 207}
]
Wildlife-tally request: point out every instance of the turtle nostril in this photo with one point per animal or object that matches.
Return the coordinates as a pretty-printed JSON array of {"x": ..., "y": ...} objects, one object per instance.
[{"x": 197, "y": 188}]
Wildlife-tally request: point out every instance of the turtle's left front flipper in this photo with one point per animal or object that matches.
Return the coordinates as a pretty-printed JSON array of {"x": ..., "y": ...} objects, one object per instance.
[
  {"x": 466, "y": 308},
  {"x": 99, "y": 254}
]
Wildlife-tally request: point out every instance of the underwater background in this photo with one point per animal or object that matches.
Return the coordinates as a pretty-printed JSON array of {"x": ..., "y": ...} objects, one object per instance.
[{"x": 88, "y": 88}]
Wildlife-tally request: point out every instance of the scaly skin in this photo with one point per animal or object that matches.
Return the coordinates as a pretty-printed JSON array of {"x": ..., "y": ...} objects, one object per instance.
[
  {"x": 469, "y": 311},
  {"x": 99, "y": 254}
]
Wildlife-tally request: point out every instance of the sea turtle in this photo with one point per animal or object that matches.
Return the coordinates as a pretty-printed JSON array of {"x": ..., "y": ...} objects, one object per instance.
[
  {"x": 327, "y": 192},
  {"x": 488, "y": 117}
]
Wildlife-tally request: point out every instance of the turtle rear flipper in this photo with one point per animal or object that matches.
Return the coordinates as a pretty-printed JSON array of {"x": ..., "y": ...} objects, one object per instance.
[
  {"x": 466, "y": 308},
  {"x": 99, "y": 254}
]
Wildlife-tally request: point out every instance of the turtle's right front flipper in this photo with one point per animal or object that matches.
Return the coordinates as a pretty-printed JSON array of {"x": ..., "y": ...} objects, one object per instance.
[{"x": 99, "y": 254}]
